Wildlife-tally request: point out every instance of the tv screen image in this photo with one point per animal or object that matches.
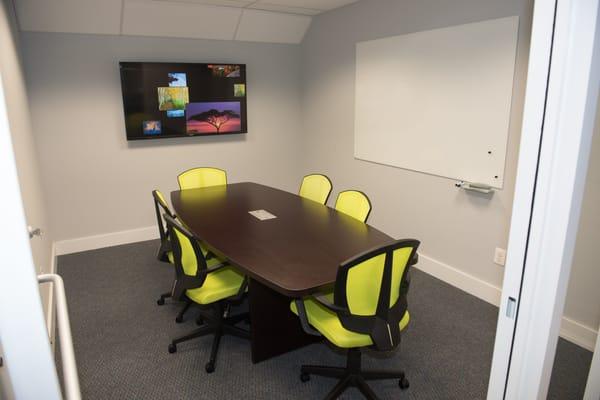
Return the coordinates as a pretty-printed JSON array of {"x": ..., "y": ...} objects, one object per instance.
[
  {"x": 166, "y": 100},
  {"x": 213, "y": 117}
]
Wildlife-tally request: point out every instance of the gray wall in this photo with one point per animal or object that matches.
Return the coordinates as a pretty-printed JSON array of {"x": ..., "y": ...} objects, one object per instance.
[
  {"x": 23, "y": 141},
  {"x": 456, "y": 228},
  {"x": 583, "y": 296},
  {"x": 99, "y": 183}
]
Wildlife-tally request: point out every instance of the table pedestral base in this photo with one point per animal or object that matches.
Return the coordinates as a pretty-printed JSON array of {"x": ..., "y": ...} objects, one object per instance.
[{"x": 275, "y": 329}]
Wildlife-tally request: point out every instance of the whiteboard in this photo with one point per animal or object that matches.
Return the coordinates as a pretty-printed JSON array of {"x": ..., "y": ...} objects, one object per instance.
[{"x": 438, "y": 101}]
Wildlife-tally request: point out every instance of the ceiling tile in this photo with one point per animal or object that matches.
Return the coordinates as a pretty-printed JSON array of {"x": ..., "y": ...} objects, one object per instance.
[
  {"x": 266, "y": 26},
  {"x": 310, "y": 4},
  {"x": 284, "y": 9},
  {"x": 177, "y": 19},
  {"x": 72, "y": 16},
  {"x": 226, "y": 3}
]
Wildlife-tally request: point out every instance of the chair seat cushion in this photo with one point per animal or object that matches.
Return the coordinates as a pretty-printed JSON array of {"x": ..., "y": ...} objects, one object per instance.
[
  {"x": 328, "y": 323},
  {"x": 218, "y": 285}
]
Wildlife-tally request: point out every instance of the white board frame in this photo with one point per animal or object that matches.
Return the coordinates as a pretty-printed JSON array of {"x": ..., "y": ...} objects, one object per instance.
[{"x": 438, "y": 101}]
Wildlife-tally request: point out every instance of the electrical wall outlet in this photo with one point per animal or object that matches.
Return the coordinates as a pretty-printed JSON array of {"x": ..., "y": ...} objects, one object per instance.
[{"x": 500, "y": 256}]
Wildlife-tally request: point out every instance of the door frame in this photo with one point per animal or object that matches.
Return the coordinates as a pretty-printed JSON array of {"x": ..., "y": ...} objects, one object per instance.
[
  {"x": 557, "y": 131},
  {"x": 592, "y": 389}
]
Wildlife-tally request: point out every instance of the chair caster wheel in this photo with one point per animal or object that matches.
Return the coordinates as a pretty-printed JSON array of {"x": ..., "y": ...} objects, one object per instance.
[
  {"x": 179, "y": 319},
  {"x": 403, "y": 383},
  {"x": 172, "y": 348},
  {"x": 210, "y": 367},
  {"x": 304, "y": 377},
  {"x": 160, "y": 302}
]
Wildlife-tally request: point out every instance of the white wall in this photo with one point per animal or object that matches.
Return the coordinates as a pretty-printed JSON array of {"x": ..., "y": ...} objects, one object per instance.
[
  {"x": 583, "y": 297},
  {"x": 23, "y": 141},
  {"x": 96, "y": 181},
  {"x": 456, "y": 228}
]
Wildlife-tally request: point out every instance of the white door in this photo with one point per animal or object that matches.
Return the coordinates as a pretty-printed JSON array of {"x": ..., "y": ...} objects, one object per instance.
[
  {"x": 28, "y": 370},
  {"x": 562, "y": 93}
]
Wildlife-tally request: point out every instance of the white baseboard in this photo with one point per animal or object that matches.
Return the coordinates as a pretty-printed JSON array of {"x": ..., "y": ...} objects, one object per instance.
[
  {"x": 105, "y": 240},
  {"x": 570, "y": 330},
  {"x": 457, "y": 278},
  {"x": 576, "y": 332}
]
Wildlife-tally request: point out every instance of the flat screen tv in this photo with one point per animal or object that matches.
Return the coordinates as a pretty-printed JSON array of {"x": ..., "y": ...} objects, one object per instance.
[{"x": 166, "y": 100}]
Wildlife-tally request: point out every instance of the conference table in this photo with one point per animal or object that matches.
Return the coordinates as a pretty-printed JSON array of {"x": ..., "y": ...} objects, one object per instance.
[{"x": 295, "y": 254}]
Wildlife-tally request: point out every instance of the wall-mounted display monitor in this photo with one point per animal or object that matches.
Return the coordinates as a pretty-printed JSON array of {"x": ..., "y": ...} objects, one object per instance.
[{"x": 165, "y": 100}]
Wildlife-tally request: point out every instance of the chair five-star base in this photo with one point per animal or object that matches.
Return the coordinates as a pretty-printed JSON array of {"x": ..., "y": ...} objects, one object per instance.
[{"x": 352, "y": 375}]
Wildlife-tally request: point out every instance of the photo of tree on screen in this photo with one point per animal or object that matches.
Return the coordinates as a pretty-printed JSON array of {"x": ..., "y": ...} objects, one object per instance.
[{"x": 223, "y": 117}]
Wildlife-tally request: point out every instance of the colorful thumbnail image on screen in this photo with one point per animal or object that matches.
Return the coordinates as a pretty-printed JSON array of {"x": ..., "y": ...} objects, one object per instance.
[
  {"x": 175, "y": 113},
  {"x": 225, "y": 71},
  {"x": 177, "y": 79},
  {"x": 239, "y": 90},
  {"x": 152, "y": 127},
  {"x": 213, "y": 118},
  {"x": 172, "y": 98}
]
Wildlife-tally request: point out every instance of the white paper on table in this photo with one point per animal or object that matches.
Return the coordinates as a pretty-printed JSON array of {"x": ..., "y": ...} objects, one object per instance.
[{"x": 262, "y": 214}]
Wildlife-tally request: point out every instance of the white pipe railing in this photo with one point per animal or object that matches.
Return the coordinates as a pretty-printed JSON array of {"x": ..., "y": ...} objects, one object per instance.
[{"x": 67, "y": 354}]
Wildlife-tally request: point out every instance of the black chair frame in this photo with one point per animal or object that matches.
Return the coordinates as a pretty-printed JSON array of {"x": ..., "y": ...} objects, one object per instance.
[
  {"x": 217, "y": 320},
  {"x": 165, "y": 244},
  {"x": 165, "y": 247},
  {"x": 383, "y": 327}
]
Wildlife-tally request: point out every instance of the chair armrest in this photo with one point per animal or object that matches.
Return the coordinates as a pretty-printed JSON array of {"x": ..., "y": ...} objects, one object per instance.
[
  {"x": 414, "y": 260},
  {"x": 184, "y": 283},
  {"x": 304, "y": 318},
  {"x": 324, "y": 301},
  {"x": 241, "y": 291}
]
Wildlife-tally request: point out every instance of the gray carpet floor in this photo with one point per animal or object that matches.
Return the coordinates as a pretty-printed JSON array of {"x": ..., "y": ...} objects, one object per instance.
[{"x": 121, "y": 337}]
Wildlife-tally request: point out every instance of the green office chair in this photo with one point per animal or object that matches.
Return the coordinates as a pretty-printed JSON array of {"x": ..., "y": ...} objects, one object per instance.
[
  {"x": 165, "y": 252},
  {"x": 367, "y": 308},
  {"x": 211, "y": 284},
  {"x": 315, "y": 187},
  {"x": 196, "y": 178},
  {"x": 354, "y": 203}
]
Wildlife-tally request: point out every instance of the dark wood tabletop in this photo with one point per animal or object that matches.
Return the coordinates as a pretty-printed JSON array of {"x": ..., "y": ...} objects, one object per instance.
[{"x": 295, "y": 254}]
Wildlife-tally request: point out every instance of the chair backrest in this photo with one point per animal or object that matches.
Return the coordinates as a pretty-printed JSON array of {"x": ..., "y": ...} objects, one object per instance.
[
  {"x": 354, "y": 203},
  {"x": 189, "y": 260},
  {"x": 373, "y": 287},
  {"x": 315, "y": 187},
  {"x": 202, "y": 177},
  {"x": 161, "y": 207}
]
